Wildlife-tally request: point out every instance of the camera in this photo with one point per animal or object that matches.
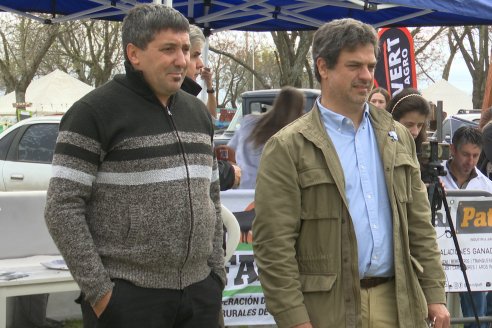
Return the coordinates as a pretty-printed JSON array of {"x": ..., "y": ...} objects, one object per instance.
[
  {"x": 431, "y": 155},
  {"x": 441, "y": 149}
]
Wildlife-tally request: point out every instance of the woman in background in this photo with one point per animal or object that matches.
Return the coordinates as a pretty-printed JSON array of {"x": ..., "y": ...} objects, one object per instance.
[
  {"x": 379, "y": 97},
  {"x": 411, "y": 109},
  {"x": 256, "y": 129}
]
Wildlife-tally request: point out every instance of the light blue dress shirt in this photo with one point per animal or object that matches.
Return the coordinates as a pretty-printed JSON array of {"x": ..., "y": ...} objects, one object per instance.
[{"x": 365, "y": 189}]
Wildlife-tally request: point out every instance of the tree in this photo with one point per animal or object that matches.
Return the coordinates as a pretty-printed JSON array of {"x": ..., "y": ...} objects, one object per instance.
[
  {"x": 230, "y": 72},
  {"x": 473, "y": 44},
  {"x": 429, "y": 51},
  {"x": 232, "y": 62},
  {"x": 242, "y": 61},
  {"x": 292, "y": 50},
  {"x": 437, "y": 48},
  {"x": 90, "y": 49},
  {"x": 25, "y": 42}
]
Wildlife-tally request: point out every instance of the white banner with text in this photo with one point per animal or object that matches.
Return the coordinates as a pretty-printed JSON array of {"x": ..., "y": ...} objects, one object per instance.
[{"x": 472, "y": 218}]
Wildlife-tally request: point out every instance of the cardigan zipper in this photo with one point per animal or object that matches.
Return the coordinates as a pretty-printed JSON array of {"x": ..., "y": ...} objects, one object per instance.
[{"x": 181, "y": 146}]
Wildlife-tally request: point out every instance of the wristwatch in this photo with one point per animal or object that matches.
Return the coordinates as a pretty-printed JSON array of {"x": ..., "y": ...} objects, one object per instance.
[{"x": 211, "y": 90}]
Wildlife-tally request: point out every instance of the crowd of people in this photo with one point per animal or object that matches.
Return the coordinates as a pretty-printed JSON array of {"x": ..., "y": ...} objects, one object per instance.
[{"x": 342, "y": 234}]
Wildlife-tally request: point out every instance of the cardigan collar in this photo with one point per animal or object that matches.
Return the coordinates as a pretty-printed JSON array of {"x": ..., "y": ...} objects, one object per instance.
[{"x": 135, "y": 81}]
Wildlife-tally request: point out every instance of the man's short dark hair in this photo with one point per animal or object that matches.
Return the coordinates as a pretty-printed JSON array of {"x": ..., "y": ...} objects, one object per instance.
[
  {"x": 467, "y": 135},
  {"x": 144, "y": 21},
  {"x": 341, "y": 34}
]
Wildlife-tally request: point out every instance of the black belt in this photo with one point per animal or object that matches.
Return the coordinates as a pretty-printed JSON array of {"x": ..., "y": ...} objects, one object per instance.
[{"x": 373, "y": 281}]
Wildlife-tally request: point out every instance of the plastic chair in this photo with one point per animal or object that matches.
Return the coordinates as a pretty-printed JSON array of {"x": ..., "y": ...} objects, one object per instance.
[{"x": 233, "y": 232}]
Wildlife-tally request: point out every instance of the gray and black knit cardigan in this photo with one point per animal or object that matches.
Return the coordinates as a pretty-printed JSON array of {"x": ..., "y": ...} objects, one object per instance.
[{"x": 135, "y": 191}]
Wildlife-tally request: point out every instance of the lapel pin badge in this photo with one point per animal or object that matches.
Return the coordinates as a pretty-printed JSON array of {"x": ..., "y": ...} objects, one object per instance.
[{"x": 393, "y": 135}]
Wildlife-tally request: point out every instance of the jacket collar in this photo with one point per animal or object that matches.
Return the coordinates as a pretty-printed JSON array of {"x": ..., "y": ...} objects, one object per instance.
[
  {"x": 191, "y": 86},
  {"x": 381, "y": 119},
  {"x": 313, "y": 130},
  {"x": 136, "y": 82},
  {"x": 385, "y": 129}
]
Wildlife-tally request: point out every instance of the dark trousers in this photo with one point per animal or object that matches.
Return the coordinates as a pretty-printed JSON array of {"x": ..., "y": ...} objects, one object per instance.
[{"x": 131, "y": 306}]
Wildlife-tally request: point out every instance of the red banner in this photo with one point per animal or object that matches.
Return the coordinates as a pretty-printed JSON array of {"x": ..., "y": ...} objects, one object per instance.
[{"x": 395, "y": 69}]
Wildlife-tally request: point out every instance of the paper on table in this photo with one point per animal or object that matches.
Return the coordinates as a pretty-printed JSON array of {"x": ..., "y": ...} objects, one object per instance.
[
  {"x": 10, "y": 275},
  {"x": 58, "y": 264}
]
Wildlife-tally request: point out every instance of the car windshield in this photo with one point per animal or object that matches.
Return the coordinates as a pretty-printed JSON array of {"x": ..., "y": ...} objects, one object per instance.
[{"x": 451, "y": 124}]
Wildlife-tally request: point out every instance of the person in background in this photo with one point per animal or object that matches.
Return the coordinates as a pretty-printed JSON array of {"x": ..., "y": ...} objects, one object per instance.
[
  {"x": 463, "y": 174},
  {"x": 256, "y": 129},
  {"x": 229, "y": 172},
  {"x": 411, "y": 109},
  {"x": 197, "y": 68},
  {"x": 379, "y": 97},
  {"x": 342, "y": 236},
  {"x": 133, "y": 204}
]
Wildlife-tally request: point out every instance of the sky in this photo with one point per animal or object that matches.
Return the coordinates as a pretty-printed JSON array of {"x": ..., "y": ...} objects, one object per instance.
[{"x": 459, "y": 76}]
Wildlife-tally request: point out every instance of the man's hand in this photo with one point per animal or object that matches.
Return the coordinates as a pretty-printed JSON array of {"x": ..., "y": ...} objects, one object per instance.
[
  {"x": 304, "y": 325},
  {"x": 237, "y": 176},
  {"x": 441, "y": 315},
  {"x": 101, "y": 305}
]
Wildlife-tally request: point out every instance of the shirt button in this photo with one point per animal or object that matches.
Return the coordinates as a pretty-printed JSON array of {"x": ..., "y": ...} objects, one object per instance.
[
  {"x": 343, "y": 221},
  {"x": 374, "y": 226},
  {"x": 374, "y": 257},
  {"x": 347, "y": 300},
  {"x": 369, "y": 196}
]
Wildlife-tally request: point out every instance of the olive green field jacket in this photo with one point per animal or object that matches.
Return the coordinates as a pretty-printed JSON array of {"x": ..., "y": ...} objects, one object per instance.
[{"x": 303, "y": 236}]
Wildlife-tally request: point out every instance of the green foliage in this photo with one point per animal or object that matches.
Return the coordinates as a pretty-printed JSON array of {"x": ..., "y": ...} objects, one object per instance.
[{"x": 73, "y": 324}]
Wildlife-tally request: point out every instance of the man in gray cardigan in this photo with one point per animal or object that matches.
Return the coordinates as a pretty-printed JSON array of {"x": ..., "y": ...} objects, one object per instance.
[{"x": 133, "y": 204}]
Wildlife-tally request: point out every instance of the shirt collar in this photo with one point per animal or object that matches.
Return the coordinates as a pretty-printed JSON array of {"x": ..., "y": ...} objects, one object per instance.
[
  {"x": 337, "y": 121},
  {"x": 473, "y": 175}
]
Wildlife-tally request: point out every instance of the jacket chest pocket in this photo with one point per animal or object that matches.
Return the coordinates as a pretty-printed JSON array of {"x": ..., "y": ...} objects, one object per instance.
[
  {"x": 402, "y": 177},
  {"x": 320, "y": 217},
  {"x": 320, "y": 196}
]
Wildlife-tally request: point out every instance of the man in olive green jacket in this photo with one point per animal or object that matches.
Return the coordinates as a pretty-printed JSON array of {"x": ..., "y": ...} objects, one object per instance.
[{"x": 303, "y": 234}]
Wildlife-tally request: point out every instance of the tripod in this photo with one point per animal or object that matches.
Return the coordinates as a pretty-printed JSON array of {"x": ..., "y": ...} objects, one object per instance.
[{"x": 437, "y": 198}]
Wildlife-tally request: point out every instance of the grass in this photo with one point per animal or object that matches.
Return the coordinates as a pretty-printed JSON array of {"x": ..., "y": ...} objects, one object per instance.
[{"x": 73, "y": 324}]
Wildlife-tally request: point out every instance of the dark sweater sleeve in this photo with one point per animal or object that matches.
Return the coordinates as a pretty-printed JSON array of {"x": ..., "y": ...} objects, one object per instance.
[
  {"x": 226, "y": 175},
  {"x": 75, "y": 163}
]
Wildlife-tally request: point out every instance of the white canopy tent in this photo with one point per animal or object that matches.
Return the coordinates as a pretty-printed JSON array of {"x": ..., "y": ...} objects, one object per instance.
[
  {"x": 452, "y": 97},
  {"x": 53, "y": 93}
]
